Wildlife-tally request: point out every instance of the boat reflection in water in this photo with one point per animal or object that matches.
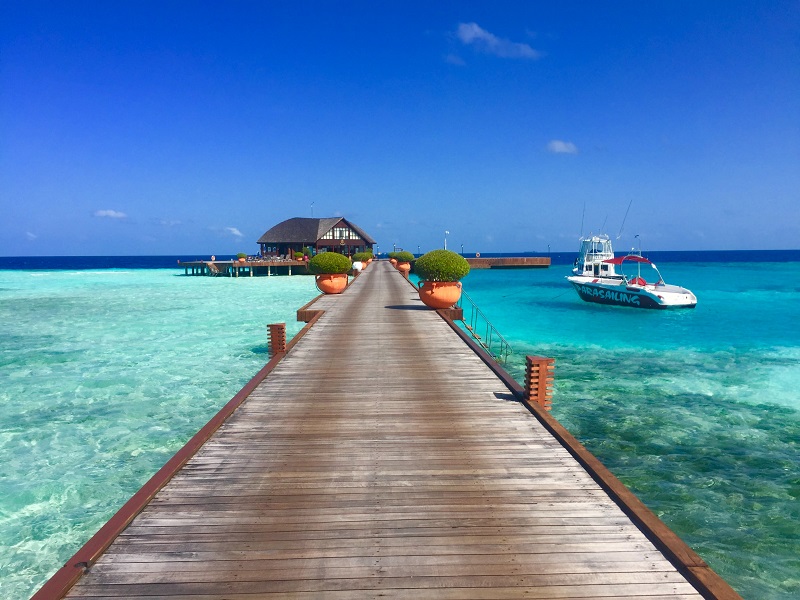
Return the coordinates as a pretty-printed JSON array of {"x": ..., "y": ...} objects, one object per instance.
[{"x": 598, "y": 276}]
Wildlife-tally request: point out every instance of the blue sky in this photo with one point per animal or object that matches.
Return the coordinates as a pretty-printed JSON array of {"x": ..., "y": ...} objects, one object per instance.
[{"x": 192, "y": 127}]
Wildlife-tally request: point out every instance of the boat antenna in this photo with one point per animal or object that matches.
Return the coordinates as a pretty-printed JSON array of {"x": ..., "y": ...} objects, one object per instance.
[
  {"x": 583, "y": 214},
  {"x": 603, "y": 228},
  {"x": 624, "y": 219}
]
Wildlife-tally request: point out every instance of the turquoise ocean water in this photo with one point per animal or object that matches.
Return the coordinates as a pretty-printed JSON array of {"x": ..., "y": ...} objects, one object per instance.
[
  {"x": 106, "y": 372},
  {"x": 696, "y": 410},
  {"x": 104, "y": 375}
]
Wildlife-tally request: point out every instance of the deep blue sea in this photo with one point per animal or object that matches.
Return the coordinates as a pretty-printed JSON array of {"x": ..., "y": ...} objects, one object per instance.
[{"x": 109, "y": 364}]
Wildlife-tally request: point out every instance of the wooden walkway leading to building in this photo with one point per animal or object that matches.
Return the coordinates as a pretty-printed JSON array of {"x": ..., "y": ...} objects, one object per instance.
[{"x": 382, "y": 457}]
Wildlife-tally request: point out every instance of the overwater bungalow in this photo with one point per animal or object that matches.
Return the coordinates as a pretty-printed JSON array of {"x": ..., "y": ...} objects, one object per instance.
[{"x": 332, "y": 234}]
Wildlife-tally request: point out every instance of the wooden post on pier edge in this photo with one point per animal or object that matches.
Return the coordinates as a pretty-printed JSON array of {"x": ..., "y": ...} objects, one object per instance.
[
  {"x": 539, "y": 372},
  {"x": 277, "y": 338}
]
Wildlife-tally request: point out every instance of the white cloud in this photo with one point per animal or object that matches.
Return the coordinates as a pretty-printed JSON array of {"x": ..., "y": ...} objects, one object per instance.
[
  {"x": 560, "y": 147},
  {"x": 31, "y": 236},
  {"x": 471, "y": 34},
  {"x": 234, "y": 231},
  {"x": 110, "y": 214},
  {"x": 454, "y": 59}
]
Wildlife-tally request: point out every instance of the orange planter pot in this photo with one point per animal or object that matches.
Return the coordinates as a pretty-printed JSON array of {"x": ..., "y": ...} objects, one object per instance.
[
  {"x": 439, "y": 294},
  {"x": 332, "y": 284},
  {"x": 404, "y": 267},
  {"x": 393, "y": 261}
]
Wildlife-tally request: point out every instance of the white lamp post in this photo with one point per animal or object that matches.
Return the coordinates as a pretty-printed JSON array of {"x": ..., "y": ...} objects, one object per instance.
[{"x": 446, "y": 233}]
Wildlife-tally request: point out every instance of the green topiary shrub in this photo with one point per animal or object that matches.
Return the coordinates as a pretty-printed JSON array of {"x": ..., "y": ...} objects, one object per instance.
[
  {"x": 298, "y": 256},
  {"x": 241, "y": 255},
  {"x": 362, "y": 256},
  {"x": 441, "y": 265},
  {"x": 329, "y": 263},
  {"x": 404, "y": 256}
]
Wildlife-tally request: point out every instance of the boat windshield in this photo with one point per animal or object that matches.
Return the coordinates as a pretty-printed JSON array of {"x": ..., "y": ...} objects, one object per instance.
[{"x": 596, "y": 248}]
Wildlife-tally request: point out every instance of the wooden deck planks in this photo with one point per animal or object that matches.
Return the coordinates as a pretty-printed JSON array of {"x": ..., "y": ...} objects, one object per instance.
[{"x": 382, "y": 457}]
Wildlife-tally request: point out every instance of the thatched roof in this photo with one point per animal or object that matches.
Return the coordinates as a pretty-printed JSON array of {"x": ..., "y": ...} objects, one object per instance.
[{"x": 300, "y": 230}]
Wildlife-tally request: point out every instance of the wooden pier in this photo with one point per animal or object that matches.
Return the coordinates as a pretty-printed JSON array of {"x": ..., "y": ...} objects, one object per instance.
[
  {"x": 509, "y": 262},
  {"x": 248, "y": 268},
  {"x": 382, "y": 455},
  {"x": 259, "y": 268}
]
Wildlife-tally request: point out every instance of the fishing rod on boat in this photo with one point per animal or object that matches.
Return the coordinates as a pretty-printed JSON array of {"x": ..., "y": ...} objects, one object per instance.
[
  {"x": 583, "y": 214},
  {"x": 624, "y": 219}
]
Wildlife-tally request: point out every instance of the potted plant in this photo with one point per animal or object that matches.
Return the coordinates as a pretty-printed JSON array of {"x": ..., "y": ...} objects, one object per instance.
[
  {"x": 241, "y": 256},
  {"x": 298, "y": 256},
  {"x": 392, "y": 258},
  {"x": 440, "y": 272},
  {"x": 404, "y": 260},
  {"x": 331, "y": 270},
  {"x": 361, "y": 260}
]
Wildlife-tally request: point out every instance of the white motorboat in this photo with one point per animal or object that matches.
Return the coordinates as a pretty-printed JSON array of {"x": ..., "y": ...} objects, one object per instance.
[{"x": 598, "y": 276}]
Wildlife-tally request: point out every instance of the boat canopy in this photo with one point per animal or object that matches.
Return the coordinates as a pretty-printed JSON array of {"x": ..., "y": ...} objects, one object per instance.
[{"x": 631, "y": 257}]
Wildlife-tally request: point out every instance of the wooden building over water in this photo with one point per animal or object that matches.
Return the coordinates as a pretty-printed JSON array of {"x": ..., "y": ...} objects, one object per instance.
[{"x": 333, "y": 234}]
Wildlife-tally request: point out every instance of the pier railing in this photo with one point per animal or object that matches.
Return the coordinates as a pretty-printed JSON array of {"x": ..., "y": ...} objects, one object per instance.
[{"x": 482, "y": 330}]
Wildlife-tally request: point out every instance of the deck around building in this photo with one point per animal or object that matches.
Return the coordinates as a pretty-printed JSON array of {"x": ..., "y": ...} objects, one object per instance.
[
  {"x": 262, "y": 267},
  {"x": 382, "y": 457},
  {"x": 245, "y": 268}
]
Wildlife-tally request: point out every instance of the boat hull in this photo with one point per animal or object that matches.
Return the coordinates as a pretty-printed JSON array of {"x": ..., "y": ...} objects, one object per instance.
[{"x": 616, "y": 294}]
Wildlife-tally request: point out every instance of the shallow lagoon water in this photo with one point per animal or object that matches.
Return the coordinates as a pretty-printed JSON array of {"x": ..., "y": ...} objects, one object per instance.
[
  {"x": 696, "y": 410},
  {"x": 106, "y": 373}
]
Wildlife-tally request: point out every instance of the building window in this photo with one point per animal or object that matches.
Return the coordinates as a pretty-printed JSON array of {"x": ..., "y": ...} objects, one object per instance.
[{"x": 340, "y": 233}]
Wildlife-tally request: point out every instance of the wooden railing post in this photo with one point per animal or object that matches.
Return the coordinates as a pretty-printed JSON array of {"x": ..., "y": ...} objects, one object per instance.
[
  {"x": 277, "y": 338},
  {"x": 539, "y": 372}
]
